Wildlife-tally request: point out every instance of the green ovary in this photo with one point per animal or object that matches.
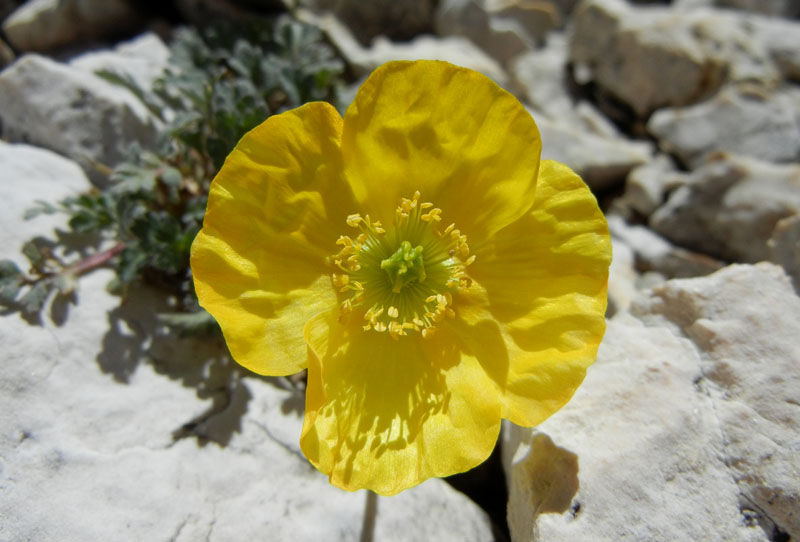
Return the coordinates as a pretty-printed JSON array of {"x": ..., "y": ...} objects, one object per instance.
[{"x": 404, "y": 266}]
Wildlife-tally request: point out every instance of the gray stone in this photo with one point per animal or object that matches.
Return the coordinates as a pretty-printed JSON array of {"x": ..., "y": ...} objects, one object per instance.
[
  {"x": 501, "y": 28},
  {"x": 690, "y": 412},
  {"x": 781, "y": 8},
  {"x": 654, "y": 253},
  {"x": 27, "y": 174},
  {"x": 646, "y": 186},
  {"x": 143, "y": 59},
  {"x": 602, "y": 161},
  {"x": 368, "y": 20},
  {"x": 363, "y": 60},
  {"x": 92, "y": 412},
  {"x": 746, "y": 123},
  {"x": 540, "y": 78},
  {"x": 72, "y": 112},
  {"x": 646, "y": 57},
  {"x": 784, "y": 247},
  {"x": 45, "y": 25},
  {"x": 622, "y": 278},
  {"x": 730, "y": 208},
  {"x": 745, "y": 320}
]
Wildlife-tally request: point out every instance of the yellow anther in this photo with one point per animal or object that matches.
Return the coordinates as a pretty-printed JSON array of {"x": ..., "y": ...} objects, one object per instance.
[
  {"x": 428, "y": 332},
  {"x": 434, "y": 215},
  {"x": 425, "y": 205},
  {"x": 393, "y": 312},
  {"x": 470, "y": 260},
  {"x": 380, "y": 326},
  {"x": 449, "y": 228},
  {"x": 354, "y": 220}
]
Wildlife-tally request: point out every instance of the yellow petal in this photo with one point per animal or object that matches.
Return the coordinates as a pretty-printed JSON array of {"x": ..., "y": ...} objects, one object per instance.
[
  {"x": 274, "y": 212},
  {"x": 387, "y": 414},
  {"x": 544, "y": 279},
  {"x": 466, "y": 144}
]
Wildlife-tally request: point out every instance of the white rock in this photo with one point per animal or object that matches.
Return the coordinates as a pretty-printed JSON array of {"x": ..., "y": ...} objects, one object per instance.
[
  {"x": 88, "y": 410},
  {"x": 646, "y": 186},
  {"x": 457, "y": 50},
  {"x": 622, "y": 278},
  {"x": 368, "y": 20},
  {"x": 761, "y": 126},
  {"x": 29, "y": 174},
  {"x": 784, "y": 247},
  {"x": 745, "y": 321},
  {"x": 730, "y": 207},
  {"x": 601, "y": 161},
  {"x": 654, "y": 253},
  {"x": 690, "y": 412},
  {"x": 44, "y": 25},
  {"x": 540, "y": 78},
  {"x": 647, "y": 58},
  {"x": 71, "y": 112},
  {"x": 143, "y": 59},
  {"x": 501, "y": 28},
  {"x": 637, "y": 447},
  {"x": 785, "y": 8}
]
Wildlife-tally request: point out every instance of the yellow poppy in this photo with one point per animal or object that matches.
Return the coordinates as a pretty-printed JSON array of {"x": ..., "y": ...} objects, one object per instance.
[{"x": 417, "y": 257}]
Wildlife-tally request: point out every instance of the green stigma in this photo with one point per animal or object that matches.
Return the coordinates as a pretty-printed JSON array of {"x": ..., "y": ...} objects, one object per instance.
[{"x": 404, "y": 266}]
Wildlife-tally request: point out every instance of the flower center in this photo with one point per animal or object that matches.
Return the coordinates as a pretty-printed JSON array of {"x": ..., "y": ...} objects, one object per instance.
[{"x": 402, "y": 279}]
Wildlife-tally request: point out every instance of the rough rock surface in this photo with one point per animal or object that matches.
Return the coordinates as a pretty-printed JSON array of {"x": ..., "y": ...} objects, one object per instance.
[
  {"x": 690, "y": 412},
  {"x": 44, "y": 25},
  {"x": 761, "y": 125},
  {"x": 363, "y": 60},
  {"x": 71, "y": 112},
  {"x": 368, "y": 20},
  {"x": 646, "y": 186},
  {"x": 91, "y": 411},
  {"x": 646, "y": 58},
  {"x": 143, "y": 59},
  {"x": 654, "y": 253},
  {"x": 502, "y": 28},
  {"x": 602, "y": 161},
  {"x": 730, "y": 208},
  {"x": 784, "y": 247}
]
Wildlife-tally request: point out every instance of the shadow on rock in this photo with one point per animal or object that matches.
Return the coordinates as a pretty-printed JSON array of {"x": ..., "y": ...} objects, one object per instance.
[{"x": 202, "y": 363}]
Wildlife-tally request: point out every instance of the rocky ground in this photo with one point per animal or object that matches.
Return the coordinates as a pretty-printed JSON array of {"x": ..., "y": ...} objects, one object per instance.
[{"x": 684, "y": 118}]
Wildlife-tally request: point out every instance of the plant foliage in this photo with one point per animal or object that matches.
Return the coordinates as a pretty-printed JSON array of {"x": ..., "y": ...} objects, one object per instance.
[{"x": 219, "y": 84}]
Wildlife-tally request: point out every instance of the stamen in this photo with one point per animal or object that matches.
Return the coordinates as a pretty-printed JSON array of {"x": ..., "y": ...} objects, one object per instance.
[{"x": 402, "y": 281}]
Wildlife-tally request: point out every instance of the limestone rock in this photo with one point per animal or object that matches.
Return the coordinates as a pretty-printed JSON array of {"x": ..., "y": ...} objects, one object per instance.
[
  {"x": 27, "y": 174},
  {"x": 784, "y": 247},
  {"x": 762, "y": 126},
  {"x": 646, "y": 186},
  {"x": 730, "y": 207},
  {"x": 45, "y": 25},
  {"x": 92, "y": 410},
  {"x": 745, "y": 320},
  {"x": 368, "y": 20},
  {"x": 654, "y": 253},
  {"x": 601, "y": 161},
  {"x": 501, "y": 28},
  {"x": 74, "y": 113},
  {"x": 622, "y": 278},
  {"x": 540, "y": 78},
  {"x": 363, "y": 60},
  {"x": 689, "y": 412},
  {"x": 648, "y": 58},
  {"x": 636, "y": 447},
  {"x": 143, "y": 59},
  {"x": 781, "y": 8}
]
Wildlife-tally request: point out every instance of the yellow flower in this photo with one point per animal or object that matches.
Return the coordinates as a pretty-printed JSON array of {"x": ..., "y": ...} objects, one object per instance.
[{"x": 417, "y": 257}]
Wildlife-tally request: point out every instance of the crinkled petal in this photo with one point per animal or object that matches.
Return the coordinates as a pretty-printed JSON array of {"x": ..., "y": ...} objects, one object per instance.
[
  {"x": 544, "y": 280},
  {"x": 466, "y": 144},
  {"x": 387, "y": 414},
  {"x": 274, "y": 211}
]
